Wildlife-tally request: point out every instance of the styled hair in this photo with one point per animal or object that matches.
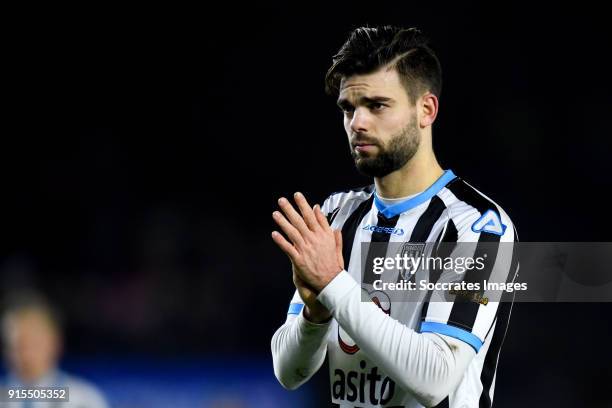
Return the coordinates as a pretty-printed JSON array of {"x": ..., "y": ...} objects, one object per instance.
[{"x": 371, "y": 48}]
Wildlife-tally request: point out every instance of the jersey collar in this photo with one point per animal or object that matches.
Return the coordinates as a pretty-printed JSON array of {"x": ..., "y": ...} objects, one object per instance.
[{"x": 390, "y": 211}]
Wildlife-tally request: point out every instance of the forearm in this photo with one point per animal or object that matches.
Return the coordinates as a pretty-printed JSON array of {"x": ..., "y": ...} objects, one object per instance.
[
  {"x": 428, "y": 365},
  {"x": 298, "y": 350}
]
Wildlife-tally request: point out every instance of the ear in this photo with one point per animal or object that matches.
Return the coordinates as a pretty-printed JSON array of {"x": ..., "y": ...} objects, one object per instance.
[{"x": 428, "y": 109}]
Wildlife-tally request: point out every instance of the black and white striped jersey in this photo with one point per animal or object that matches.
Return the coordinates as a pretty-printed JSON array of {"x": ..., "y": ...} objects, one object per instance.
[{"x": 450, "y": 210}]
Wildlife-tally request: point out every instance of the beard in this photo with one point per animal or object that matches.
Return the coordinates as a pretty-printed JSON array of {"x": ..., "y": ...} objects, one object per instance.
[{"x": 392, "y": 156}]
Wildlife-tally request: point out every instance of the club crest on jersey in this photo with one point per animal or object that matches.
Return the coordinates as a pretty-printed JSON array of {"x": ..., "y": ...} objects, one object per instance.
[
  {"x": 489, "y": 222},
  {"x": 384, "y": 230},
  {"x": 380, "y": 299},
  {"x": 413, "y": 251}
]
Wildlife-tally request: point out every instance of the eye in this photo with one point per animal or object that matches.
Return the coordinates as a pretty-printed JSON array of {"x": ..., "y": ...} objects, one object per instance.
[
  {"x": 377, "y": 106},
  {"x": 347, "y": 110}
]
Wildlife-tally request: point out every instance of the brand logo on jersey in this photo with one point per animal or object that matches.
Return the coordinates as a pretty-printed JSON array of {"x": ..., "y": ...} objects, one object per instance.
[
  {"x": 351, "y": 386},
  {"x": 489, "y": 222},
  {"x": 380, "y": 299},
  {"x": 384, "y": 230}
]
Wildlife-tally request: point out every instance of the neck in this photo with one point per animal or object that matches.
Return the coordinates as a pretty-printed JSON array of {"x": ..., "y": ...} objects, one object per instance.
[
  {"x": 417, "y": 175},
  {"x": 33, "y": 376}
]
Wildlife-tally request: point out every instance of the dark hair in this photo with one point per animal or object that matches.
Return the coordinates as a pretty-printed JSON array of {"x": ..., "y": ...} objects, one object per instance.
[{"x": 370, "y": 48}]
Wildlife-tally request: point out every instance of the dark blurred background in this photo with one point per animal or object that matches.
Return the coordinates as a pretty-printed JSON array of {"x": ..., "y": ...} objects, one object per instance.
[{"x": 144, "y": 152}]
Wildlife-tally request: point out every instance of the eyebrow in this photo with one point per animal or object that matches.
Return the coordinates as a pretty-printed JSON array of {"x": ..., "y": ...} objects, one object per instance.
[{"x": 342, "y": 102}]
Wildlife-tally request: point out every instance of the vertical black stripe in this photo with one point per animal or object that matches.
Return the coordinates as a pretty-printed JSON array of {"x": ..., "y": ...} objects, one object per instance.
[
  {"x": 511, "y": 276},
  {"x": 450, "y": 235},
  {"x": 350, "y": 227},
  {"x": 425, "y": 224},
  {"x": 503, "y": 320},
  {"x": 380, "y": 250},
  {"x": 426, "y": 221},
  {"x": 464, "y": 312},
  {"x": 490, "y": 363}
]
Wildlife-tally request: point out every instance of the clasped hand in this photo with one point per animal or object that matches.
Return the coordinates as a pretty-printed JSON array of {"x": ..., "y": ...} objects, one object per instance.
[{"x": 314, "y": 248}]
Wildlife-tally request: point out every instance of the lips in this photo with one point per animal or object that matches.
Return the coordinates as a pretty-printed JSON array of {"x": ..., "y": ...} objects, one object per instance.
[
  {"x": 363, "y": 147},
  {"x": 363, "y": 142}
]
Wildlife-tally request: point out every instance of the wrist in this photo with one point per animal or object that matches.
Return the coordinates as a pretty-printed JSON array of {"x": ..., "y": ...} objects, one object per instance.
[
  {"x": 324, "y": 283},
  {"x": 316, "y": 315}
]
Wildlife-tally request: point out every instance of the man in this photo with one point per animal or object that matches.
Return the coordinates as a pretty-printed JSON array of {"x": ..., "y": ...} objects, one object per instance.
[
  {"x": 32, "y": 344},
  {"x": 382, "y": 352}
]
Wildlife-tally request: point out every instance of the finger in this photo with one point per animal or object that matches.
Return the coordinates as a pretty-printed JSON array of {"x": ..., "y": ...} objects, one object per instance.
[
  {"x": 321, "y": 218},
  {"x": 285, "y": 245},
  {"x": 307, "y": 213},
  {"x": 338, "y": 237},
  {"x": 292, "y": 232},
  {"x": 293, "y": 216}
]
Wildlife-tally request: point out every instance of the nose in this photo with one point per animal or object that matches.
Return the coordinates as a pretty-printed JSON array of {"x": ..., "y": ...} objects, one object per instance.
[{"x": 360, "y": 122}]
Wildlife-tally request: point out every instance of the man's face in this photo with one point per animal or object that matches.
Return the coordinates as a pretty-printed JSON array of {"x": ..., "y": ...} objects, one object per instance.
[
  {"x": 31, "y": 344},
  {"x": 380, "y": 121}
]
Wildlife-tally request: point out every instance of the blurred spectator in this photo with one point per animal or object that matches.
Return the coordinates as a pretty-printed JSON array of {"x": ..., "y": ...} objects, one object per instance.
[{"x": 32, "y": 340}]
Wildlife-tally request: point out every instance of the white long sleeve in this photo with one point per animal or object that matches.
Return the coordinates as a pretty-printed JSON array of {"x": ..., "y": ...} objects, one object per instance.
[
  {"x": 298, "y": 350},
  {"x": 428, "y": 365}
]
